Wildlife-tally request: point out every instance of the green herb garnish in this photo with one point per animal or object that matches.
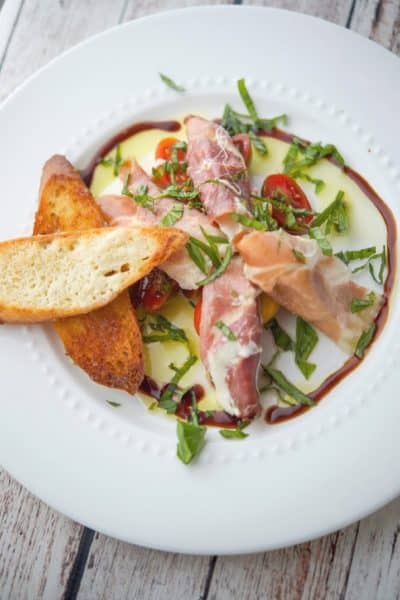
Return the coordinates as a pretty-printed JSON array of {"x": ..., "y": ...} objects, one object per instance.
[
  {"x": 171, "y": 84},
  {"x": 302, "y": 155},
  {"x": 191, "y": 439},
  {"x": 140, "y": 197},
  {"x": 281, "y": 338},
  {"x": 317, "y": 235},
  {"x": 358, "y": 304},
  {"x": 172, "y": 216},
  {"x": 299, "y": 255},
  {"x": 306, "y": 340},
  {"x": 250, "y": 123},
  {"x": 379, "y": 277},
  {"x": 227, "y": 331},
  {"x": 113, "y": 404},
  {"x": 163, "y": 331},
  {"x": 249, "y": 221},
  {"x": 114, "y": 161},
  {"x": 235, "y": 434},
  {"x": 279, "y": 378},
  {"x": 348, "y": 255},
  {"x": 334, "y": 216},
  {"x": 222, "y": 267},
  {"x": 365, "y": 340}
]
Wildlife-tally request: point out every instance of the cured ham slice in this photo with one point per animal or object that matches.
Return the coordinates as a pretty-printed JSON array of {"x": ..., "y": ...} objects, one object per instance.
[
  {"x": 212, "y": 155},
  {"x": 124, "y": 210},
  {"x": 299, "y": 277},
  {"x": 232, "y": 363}
]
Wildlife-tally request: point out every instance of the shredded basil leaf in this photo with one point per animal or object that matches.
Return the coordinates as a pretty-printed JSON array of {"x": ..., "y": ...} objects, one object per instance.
[
  {"x": 114, "y": 161},
  {"x": 299, "y": 255},
  {"x": 227, "y": 331},
  {"x": 306, "y": 340},
  {"x": 113, "y": 404},
  {"x": 235, "y": 434},
  {"x": 365, "y": 340},
  {"x": 191, "y": 439},
  {"x": 172, "y": 216},
  {"x": 359, "y": 304},
  {"x": 171, "y": 84},
  {"x": 183, "y": 369},
  {"x": 348, "y": 255},
  {"x": 196, "y": 255},
  {"x": 317, "y": 235},
  {"x": 334, "y": 216},
  {"x": 281, "y": 338},
  {"x": 250, "y": 123},
  {"x": 318, "y": 183},
  {"x": 249, "y": 221},
  {"x": 166, "y": 402},
  {"x": 223, "y": 266},
  {"x": 140, "y": 197},
  {"x": 162, "y": 330},
  {"x": 379, "y": 277},
  {"x": 288, "y": 387}
]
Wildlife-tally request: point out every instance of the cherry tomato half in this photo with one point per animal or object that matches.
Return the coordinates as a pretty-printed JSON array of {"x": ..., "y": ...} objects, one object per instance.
[
  {"x": 243, "y": 143},
  {"x": 290, "y": 189},
  {"x": 164, "y": 149},
  {"x": 153, "y": 291},
  {"x": 161, "y": 177},
  {"x": 197, "y": 315}
]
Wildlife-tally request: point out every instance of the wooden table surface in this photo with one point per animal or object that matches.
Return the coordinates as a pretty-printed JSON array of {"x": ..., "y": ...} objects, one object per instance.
[{"x": 45, "y": 555}]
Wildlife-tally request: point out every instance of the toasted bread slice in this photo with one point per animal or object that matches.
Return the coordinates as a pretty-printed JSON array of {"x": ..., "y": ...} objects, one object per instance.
[
  {"x": 52, "y": 276},
  {"x": 106, "y": 343}
]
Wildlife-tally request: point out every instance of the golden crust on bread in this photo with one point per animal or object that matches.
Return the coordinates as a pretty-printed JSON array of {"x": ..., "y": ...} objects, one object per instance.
[{"x": 106, "y": 343}]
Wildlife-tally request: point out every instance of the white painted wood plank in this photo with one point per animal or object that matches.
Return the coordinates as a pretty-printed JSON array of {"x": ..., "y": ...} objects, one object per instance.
[
  {"x": 8, "y": 17},
  {"x": 141, "y": 8},
  {"x": 47, "y": 28},
  {"x": 375, "y": 568},
  {"x": 379, "y": 20},
  {"x": 332, "y": 10},
  {"x": 116, "y": 570},
  {"x": 314, "y": 570},
  {"x": 37, "y": 545}
]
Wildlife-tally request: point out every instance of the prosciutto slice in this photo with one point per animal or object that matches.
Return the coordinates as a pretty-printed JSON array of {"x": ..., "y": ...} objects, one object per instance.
[
  {"x": 295, "y": 273},
  {"x": 212, "y": 154},
  {"x": 232, "y": 363},
  {"x": 124, "y": 210}
]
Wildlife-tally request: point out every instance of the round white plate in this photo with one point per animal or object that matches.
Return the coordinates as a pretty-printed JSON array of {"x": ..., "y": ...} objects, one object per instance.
[{"x": 115, "y": 470}]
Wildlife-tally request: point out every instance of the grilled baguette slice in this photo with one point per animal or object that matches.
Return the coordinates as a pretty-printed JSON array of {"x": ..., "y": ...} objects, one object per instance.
[
  {"x": 64, "y": 274},
  {"x": 106, "y": 343}
]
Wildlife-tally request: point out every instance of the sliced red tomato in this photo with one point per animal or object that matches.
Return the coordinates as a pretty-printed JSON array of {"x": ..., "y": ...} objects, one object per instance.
[
  {"x": 242, "y": 141},
  {"x": 289, "y": 188},
  {"x": 161, "y": 177},
  {"x": 153, "y": 291},
  {"x": 197, "y": 315},
  {"x": 164, "y": 149}
]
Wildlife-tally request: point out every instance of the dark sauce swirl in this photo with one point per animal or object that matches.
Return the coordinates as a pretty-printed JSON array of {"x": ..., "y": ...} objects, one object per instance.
[{"x": 275, "y": 414}]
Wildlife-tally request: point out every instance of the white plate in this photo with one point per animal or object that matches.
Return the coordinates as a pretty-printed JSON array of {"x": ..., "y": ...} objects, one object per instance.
[{"x": 115, "y": 470}]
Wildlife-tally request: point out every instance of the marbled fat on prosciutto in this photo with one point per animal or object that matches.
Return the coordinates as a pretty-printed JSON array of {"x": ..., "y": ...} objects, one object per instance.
[
  {"x": 316, "y": 287},
  {"x": 212, "y": 154},
  {"x": 232, "y": 363}
]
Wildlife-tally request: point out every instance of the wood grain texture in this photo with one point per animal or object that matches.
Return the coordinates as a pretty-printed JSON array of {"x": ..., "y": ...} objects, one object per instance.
[
  {"x": 37, "y": 545},
  {"x": 336, "y": 11},
  {"x": 378, "y": 20},
  {"x": 116, "y": 570},
  {"x": 45, "y": 29}
]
